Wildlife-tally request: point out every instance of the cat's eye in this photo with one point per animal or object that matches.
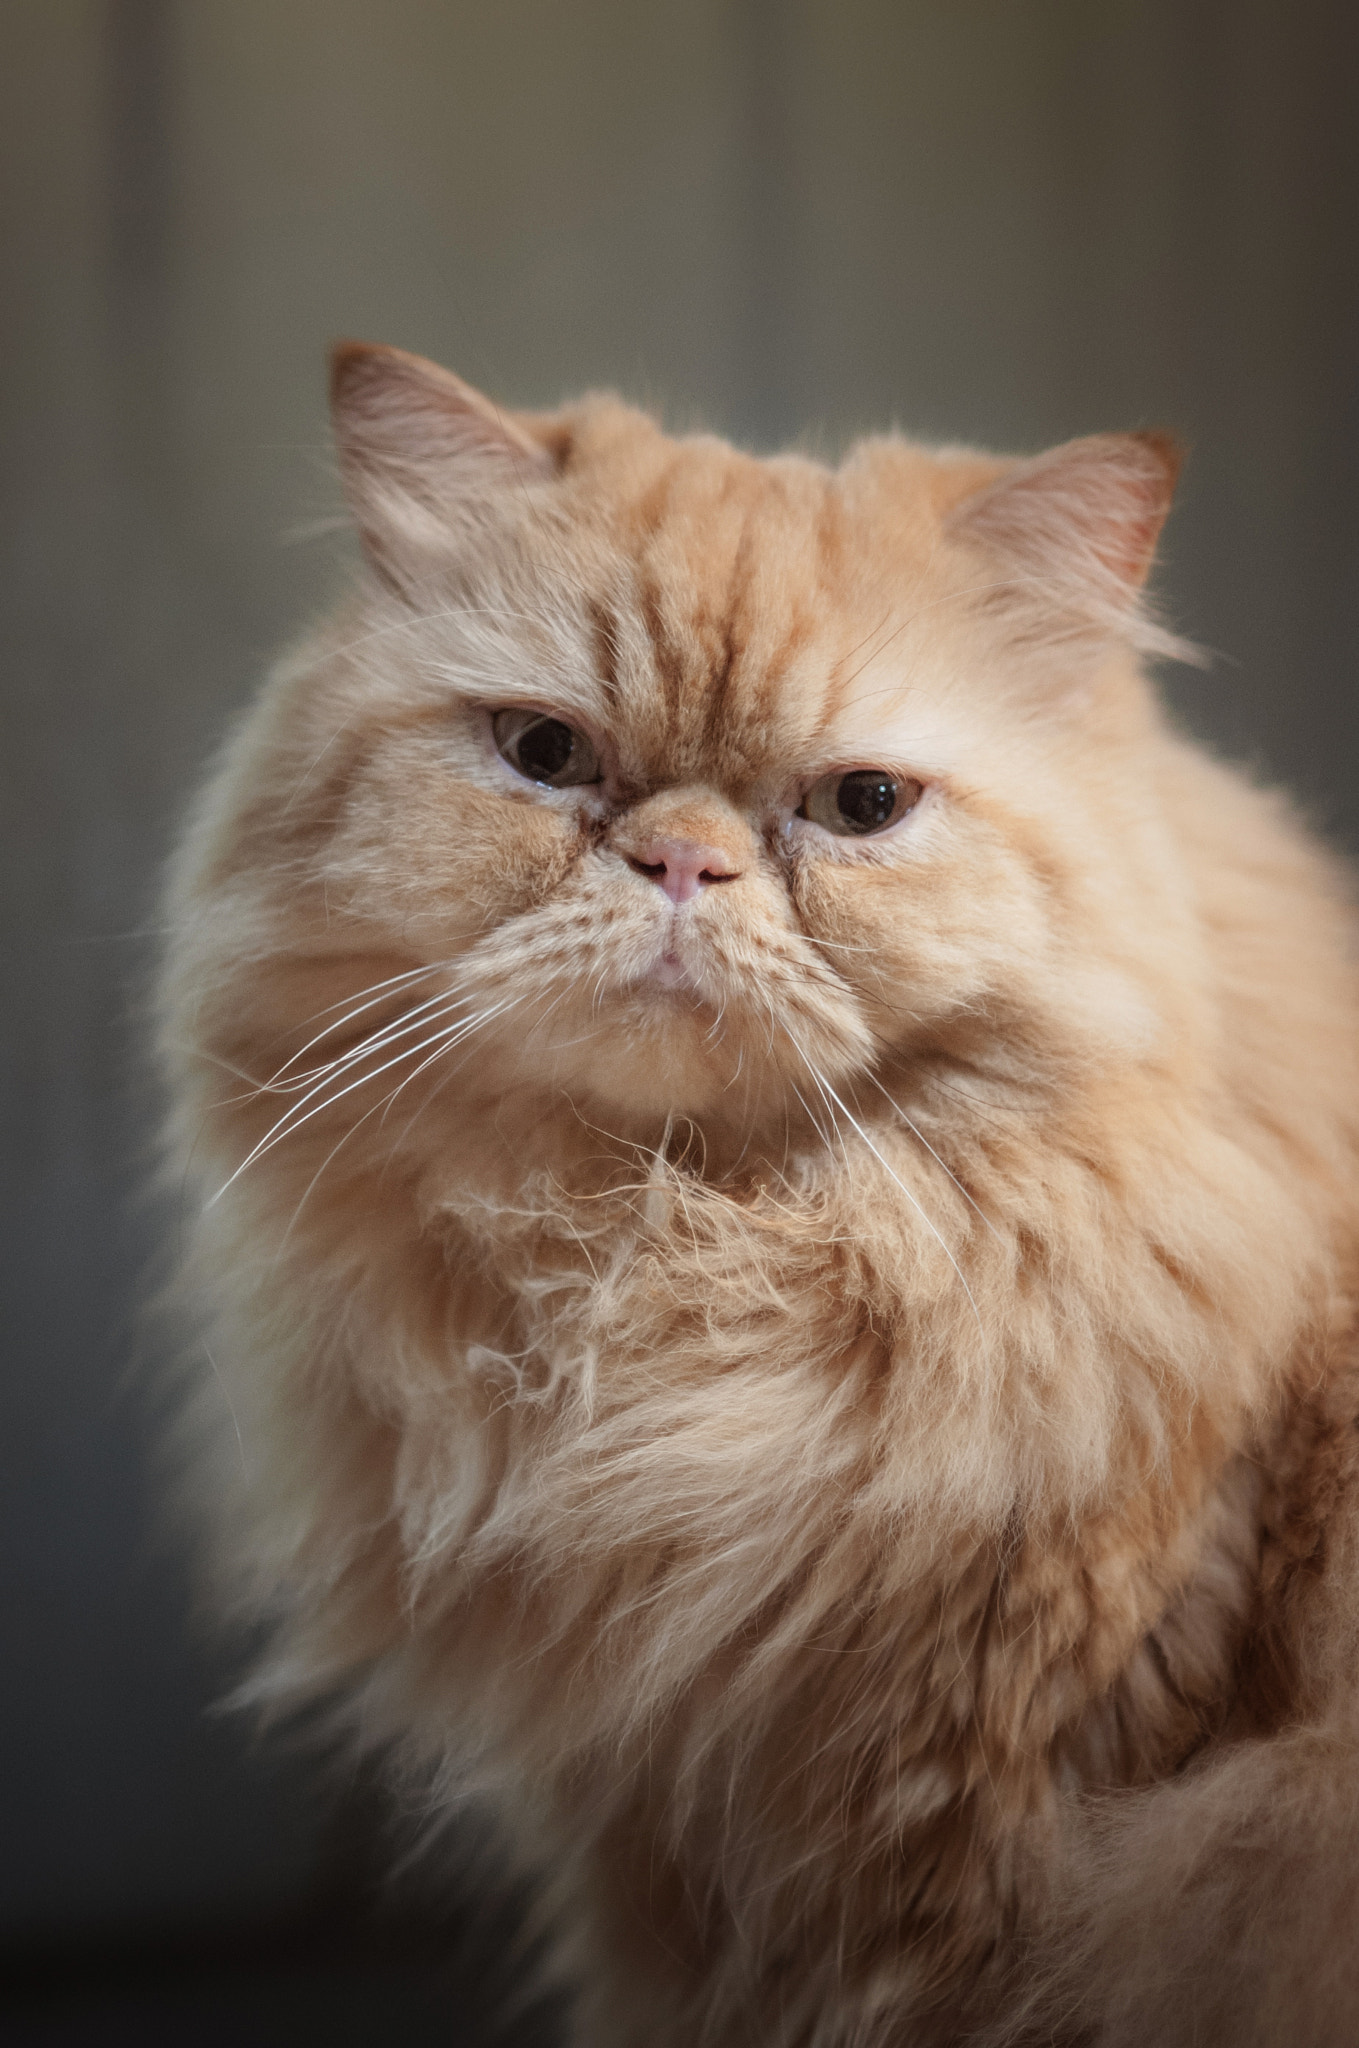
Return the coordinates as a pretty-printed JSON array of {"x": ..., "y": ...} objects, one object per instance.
[
  {"x": 544, "y": 749},
  {"x": 858, "y": 801}
]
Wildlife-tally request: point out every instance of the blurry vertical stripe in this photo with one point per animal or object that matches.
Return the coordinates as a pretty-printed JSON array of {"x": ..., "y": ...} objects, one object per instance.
[
  {"x": 139, "y": 89},
  {"x": 137, "y": 47},
  {"x": 764, "y": 31}
]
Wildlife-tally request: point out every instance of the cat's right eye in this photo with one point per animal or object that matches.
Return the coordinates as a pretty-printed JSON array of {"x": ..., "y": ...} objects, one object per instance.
[{"x": 544, "y": 749}]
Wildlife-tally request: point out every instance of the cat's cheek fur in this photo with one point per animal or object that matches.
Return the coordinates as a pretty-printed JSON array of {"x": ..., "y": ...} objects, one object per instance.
[
  {"x": 961, "y": 930},
  {"x": 443, "y": 859},
  {"x": 927, "y": 940}
]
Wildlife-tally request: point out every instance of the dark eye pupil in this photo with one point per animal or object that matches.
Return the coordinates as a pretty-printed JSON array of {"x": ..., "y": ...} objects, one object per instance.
[
  {"x": 545, "y": 748},
  {"x": 866, "y": 799}
]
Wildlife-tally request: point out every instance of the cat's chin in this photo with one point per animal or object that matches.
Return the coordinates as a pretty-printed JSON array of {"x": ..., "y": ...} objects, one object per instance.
[
  {"x": 660, "y": 1055},
  {"x": 669, "y": 974},
  {"x": 665, "y": 1043}
]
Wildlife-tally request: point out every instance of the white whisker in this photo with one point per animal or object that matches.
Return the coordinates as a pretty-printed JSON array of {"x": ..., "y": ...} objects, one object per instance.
[
  {"x": 292, "y": 1121},
  {"x": 276, "y": 1082},
  {"x": 443, "y": 1042},
  {"x": 916, "y": 1131},
  {"x": 829, "y": 1093},
  {"x": 452, "y": 1035},
  {"x": 377, "y": 1041}
]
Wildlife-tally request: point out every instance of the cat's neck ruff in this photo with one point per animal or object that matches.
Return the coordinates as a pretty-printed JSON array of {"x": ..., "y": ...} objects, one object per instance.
[{"x": 772, "y": 1182}]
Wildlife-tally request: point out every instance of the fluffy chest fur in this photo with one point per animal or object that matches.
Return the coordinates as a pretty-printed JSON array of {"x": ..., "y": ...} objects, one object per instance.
[{"x": 779, "y": 1183}]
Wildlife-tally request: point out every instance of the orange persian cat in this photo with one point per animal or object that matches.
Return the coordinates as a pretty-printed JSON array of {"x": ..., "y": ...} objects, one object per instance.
[{"x": 779, "y": 1172}]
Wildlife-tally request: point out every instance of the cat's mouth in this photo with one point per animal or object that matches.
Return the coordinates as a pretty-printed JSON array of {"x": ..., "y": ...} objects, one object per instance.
[
  {"x": 676, "y": 966},
  {"x": 669, "y": 971}
]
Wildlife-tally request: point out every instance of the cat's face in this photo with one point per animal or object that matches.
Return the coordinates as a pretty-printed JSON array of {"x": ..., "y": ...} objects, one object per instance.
[{"x": 709, "y": 788}]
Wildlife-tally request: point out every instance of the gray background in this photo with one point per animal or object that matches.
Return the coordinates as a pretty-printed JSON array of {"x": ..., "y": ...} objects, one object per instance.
[{"x": 1001, "y": 220}]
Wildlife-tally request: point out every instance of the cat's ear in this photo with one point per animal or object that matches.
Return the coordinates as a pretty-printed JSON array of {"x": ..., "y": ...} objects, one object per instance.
[
  {"x": 1072, "y": 534},
  {"x": 421, "y": 453}
]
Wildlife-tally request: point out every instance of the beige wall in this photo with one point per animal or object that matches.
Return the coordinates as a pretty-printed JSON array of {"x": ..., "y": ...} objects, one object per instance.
[{"x": 1006, "y": 220}]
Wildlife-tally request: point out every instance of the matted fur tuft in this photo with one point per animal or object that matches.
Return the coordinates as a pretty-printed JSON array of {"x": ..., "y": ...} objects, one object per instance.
[{"x": 824, "y": 1387}]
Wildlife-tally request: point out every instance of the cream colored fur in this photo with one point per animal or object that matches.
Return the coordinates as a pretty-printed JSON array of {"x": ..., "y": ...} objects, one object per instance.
[{"x": 853, "y": 1452}]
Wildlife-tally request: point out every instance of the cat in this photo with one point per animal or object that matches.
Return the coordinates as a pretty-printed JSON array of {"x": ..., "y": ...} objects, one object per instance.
[{"x": 775, "y": 1161}]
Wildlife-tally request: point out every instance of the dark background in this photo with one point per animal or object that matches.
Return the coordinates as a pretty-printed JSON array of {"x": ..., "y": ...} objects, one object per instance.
[{"x": 1006, "y": 221}]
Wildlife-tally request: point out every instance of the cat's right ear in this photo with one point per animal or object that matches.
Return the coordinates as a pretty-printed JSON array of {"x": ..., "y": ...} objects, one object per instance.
[{"x": 420, "y": 452}]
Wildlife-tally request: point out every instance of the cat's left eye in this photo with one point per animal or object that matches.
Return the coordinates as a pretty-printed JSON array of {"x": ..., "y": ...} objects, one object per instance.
[
  {"x": 544, "y": 749},
  {"x": 857, "y": 801}
]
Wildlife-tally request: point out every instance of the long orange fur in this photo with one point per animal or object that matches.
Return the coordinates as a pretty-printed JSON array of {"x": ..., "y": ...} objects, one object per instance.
[{"x": 855, "y": 1450}]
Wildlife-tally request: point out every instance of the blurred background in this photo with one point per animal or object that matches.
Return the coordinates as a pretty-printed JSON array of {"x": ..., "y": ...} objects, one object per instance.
[{"x": 1006, "y": 221}]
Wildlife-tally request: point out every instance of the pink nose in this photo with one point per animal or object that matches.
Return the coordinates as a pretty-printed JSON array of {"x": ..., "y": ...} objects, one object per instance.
[{"x": 682, "y": 867}]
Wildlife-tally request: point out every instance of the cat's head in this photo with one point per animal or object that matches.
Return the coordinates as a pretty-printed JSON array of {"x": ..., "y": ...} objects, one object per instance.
[{"x": 666, "y": 782}]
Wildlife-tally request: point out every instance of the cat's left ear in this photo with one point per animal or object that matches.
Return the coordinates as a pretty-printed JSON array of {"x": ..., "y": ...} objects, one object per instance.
[
  {"x": 1073, "y": 534},
  {"x": 422, "y": 456}
]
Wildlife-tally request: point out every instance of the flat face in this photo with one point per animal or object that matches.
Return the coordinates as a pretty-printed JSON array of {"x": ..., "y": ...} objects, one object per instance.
[{"x": 654, "y": 782}]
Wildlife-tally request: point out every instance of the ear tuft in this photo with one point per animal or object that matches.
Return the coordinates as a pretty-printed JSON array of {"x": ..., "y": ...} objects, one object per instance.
[
  {"x": 1077, "y": 528},
  {"x": 419, "y": 452}
]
